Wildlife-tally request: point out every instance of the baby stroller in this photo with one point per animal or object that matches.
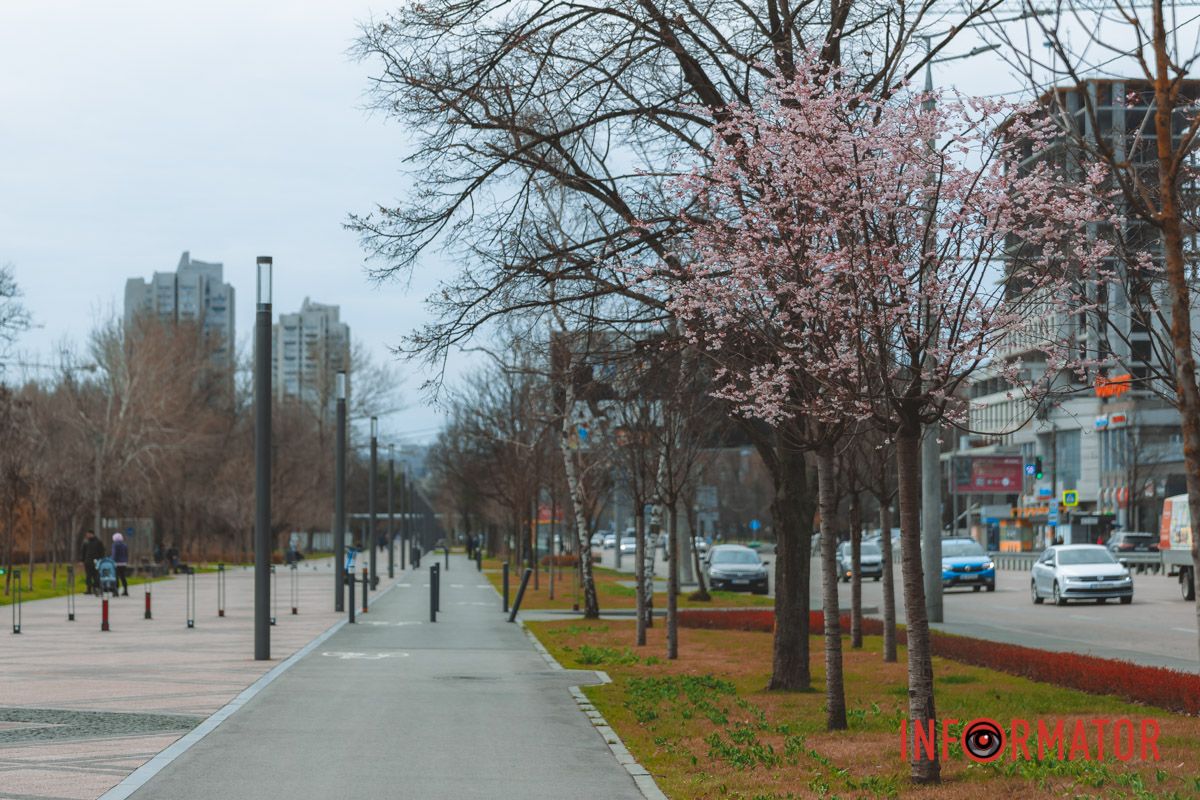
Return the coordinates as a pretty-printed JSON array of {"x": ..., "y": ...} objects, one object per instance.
[{"x": 106, "y": 571}]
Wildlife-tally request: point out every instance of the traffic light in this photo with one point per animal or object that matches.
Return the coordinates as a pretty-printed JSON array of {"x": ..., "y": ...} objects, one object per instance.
[{"x": 1037, "y": 468}]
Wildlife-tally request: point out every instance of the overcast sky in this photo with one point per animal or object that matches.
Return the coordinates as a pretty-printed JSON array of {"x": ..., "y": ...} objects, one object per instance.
[{"x": 132, "y": 130}]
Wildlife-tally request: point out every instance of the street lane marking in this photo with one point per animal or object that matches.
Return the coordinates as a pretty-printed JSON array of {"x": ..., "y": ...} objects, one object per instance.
[
  {"x": 346, "y": 656},
  {"x": 1185, "y": 630}
]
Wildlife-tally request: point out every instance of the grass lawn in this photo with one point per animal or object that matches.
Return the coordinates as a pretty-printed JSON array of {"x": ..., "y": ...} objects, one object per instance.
[
  {"x": 43, "y": 586},
  {"x": 609, "y": 591},
  {"x": 705, "y": 727}
]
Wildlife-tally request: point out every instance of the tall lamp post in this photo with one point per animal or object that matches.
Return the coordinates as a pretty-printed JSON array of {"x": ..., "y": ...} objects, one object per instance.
[
  {"x": 403, "y": 520},
  {"x": 339, "y": 499},
  {"x": 391, "y": 513},
  {"x": 262, "y": 463},
  {"x": 370, "y": 537}
]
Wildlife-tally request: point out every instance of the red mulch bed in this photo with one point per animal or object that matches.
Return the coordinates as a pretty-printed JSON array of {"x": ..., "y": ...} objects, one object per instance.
[{"x": 1156, "y": 686}]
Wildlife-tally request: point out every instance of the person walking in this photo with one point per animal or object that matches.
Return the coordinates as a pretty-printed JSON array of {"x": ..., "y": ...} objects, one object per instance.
[
  {"x": 92, "y": 549},
  {"x": 120, "y": 556}
]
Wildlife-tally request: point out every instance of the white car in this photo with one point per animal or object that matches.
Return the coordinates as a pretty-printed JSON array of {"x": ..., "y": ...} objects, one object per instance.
[
  {"x": 1080, "y": 572},
  {"x": 628, "y": 545},
  {"x": 610, "y": 541}
]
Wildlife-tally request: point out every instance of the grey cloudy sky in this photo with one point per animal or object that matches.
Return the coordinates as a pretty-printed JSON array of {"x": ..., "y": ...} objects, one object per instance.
[
  {"x": 135, "y": 129},
  {"x": 132, "y": 130}
]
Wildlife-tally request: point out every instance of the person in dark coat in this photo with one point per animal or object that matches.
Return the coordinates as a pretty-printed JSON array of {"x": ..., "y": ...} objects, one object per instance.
[
  {"x": 92, "y": 549},
  {"x": 120, "y": 556}
]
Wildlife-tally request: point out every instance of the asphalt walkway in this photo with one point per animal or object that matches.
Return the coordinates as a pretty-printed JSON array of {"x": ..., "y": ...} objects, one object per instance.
[{"x": 397, "y": 707}]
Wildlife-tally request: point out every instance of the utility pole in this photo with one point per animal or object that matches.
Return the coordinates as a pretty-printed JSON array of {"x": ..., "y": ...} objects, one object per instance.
[{"x": 262, "y": 463}]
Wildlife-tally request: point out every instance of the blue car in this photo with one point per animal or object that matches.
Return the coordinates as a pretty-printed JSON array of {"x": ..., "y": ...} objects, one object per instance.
[{"x": 964, "y": 563}]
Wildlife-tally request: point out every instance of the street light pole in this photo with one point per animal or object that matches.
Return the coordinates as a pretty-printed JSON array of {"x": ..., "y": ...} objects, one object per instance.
[
  {"x": 339, "y": 499},
  {"x": 391, "y": 513},
  {"x": 403, "y": 520},
  {"x": 371, "y": 499},
  {"x": 262, "y": 463}
]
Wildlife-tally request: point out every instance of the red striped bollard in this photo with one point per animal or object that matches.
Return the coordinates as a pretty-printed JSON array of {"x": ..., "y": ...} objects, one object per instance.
[
  {"x": 104, "y": 612},
  {"x": 148, "y": 615}
]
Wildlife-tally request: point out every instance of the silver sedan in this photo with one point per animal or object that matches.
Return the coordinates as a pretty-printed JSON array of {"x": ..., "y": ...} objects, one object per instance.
[{"x": 1080, "y": 572}]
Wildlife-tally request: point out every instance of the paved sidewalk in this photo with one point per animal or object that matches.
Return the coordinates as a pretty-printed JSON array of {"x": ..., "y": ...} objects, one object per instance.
[
  {"x": 398, "y": 707},
  {"x": 81, "y": 709}
]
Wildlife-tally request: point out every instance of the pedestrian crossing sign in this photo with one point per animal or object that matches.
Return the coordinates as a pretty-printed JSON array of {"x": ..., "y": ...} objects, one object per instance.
[{"x": 1070, "y": 498}]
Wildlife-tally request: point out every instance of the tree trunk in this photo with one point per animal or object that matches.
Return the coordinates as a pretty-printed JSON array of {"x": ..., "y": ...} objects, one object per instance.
[
  {"x": 639, "y": 572},
  {"x": 921, "y": 711},
  {"x": 1186, "y": 392},
  {"x": 889, "y": 586},
  {"x": 591, "y": 604},
  {"x": 856, "y": 613},
  {"x": 684, "y": 541},
  {"x": 673, "y": 583},
  {"x": 835, "y": 694},
  {"x": 701, "y": 589},
  {"x": 791, "y": 511}
]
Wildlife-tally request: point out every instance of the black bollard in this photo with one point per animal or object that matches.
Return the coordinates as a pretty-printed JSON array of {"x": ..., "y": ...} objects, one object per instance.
[
  {"x": 16, "y": 613},
  {"x": 479, "y": 559},
  {"x": 447, "y": 558},
  {"x": 70, "y": 593},
  {"x": 437, "y": 587},
  {"x": 350, "y": 583},
  {"x": 505, "y": 582},
  {"x": 366, "y": 582},
  {"x": 274, "y": 594},
  {"x": 295, "y": 589},
  {"x": 433, "y": 593},
  {"x": 190, "y": 593},
  {"x": 512, "y": 616}
]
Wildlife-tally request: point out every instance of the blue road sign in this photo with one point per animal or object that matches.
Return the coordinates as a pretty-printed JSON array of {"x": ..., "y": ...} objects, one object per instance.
[
  {"x": 1030, "y": 469},
  {"x": 755, "y": 525}
]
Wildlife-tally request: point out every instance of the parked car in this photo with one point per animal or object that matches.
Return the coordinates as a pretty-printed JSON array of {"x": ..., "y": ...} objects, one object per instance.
[
  {"x": 598, "y": 538},
  {"x": 964, "y": 563},
  {"x": 1080, "y": 572},
  {"x": 628, "y": 545},
  {"x": 610, "y": 541},
  {"x": 738, "y": 568},
  {"x": 870, "y": 561},
  {"x": 878, "y": 540},
  {"x": 1132, "y": 542}
]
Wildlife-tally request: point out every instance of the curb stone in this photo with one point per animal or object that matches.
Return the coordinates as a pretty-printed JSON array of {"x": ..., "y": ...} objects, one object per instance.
[{"x": 641, "y": 777}]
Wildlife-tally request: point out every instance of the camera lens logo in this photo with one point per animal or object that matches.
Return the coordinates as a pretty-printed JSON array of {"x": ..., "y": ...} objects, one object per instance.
[{"x": 983, "y": 740}]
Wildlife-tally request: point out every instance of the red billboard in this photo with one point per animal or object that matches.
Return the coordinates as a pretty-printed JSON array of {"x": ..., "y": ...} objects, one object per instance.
[{"x": 988, "y": 474}]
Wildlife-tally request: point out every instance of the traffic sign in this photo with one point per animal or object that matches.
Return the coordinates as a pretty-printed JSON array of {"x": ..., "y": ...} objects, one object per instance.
[
  {"x": 755, "y": 525},
  {"x": 1052, "y": 515},
  {"x": 1031, "y": 469},
  {"x": 1070, "y": 498}
]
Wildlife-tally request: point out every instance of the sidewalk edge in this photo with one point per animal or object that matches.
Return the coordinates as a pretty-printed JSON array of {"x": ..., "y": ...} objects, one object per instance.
[
  {"x": 641, "y": 777},
  {"x": 142, "y": 775}
]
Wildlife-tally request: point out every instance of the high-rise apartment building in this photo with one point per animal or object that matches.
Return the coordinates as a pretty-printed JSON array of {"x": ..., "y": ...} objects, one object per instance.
[
  {"x": 194, "y": 292},
  {"x": 1113, "y": 444},
  {"x": 310, "y": 348}
]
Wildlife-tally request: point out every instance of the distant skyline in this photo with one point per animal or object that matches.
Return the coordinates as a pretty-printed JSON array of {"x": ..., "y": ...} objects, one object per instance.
[{"x": 134, "y": 131}]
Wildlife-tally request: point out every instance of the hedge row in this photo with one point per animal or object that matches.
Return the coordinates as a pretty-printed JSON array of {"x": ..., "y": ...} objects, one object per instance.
[{"x": 1156, "y": 686}]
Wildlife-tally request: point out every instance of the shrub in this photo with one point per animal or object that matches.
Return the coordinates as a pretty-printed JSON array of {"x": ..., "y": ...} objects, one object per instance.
[{"x": 757, "y": 619}]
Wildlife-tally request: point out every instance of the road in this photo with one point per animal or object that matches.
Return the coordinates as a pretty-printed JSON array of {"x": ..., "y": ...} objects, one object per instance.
[{"x": 1157, "y": 629}]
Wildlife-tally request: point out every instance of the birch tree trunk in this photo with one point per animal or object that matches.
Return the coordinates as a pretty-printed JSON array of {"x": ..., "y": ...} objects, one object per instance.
[
  {"x": 591, "y": 604},
  {"x": 835, "y": 694}
]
